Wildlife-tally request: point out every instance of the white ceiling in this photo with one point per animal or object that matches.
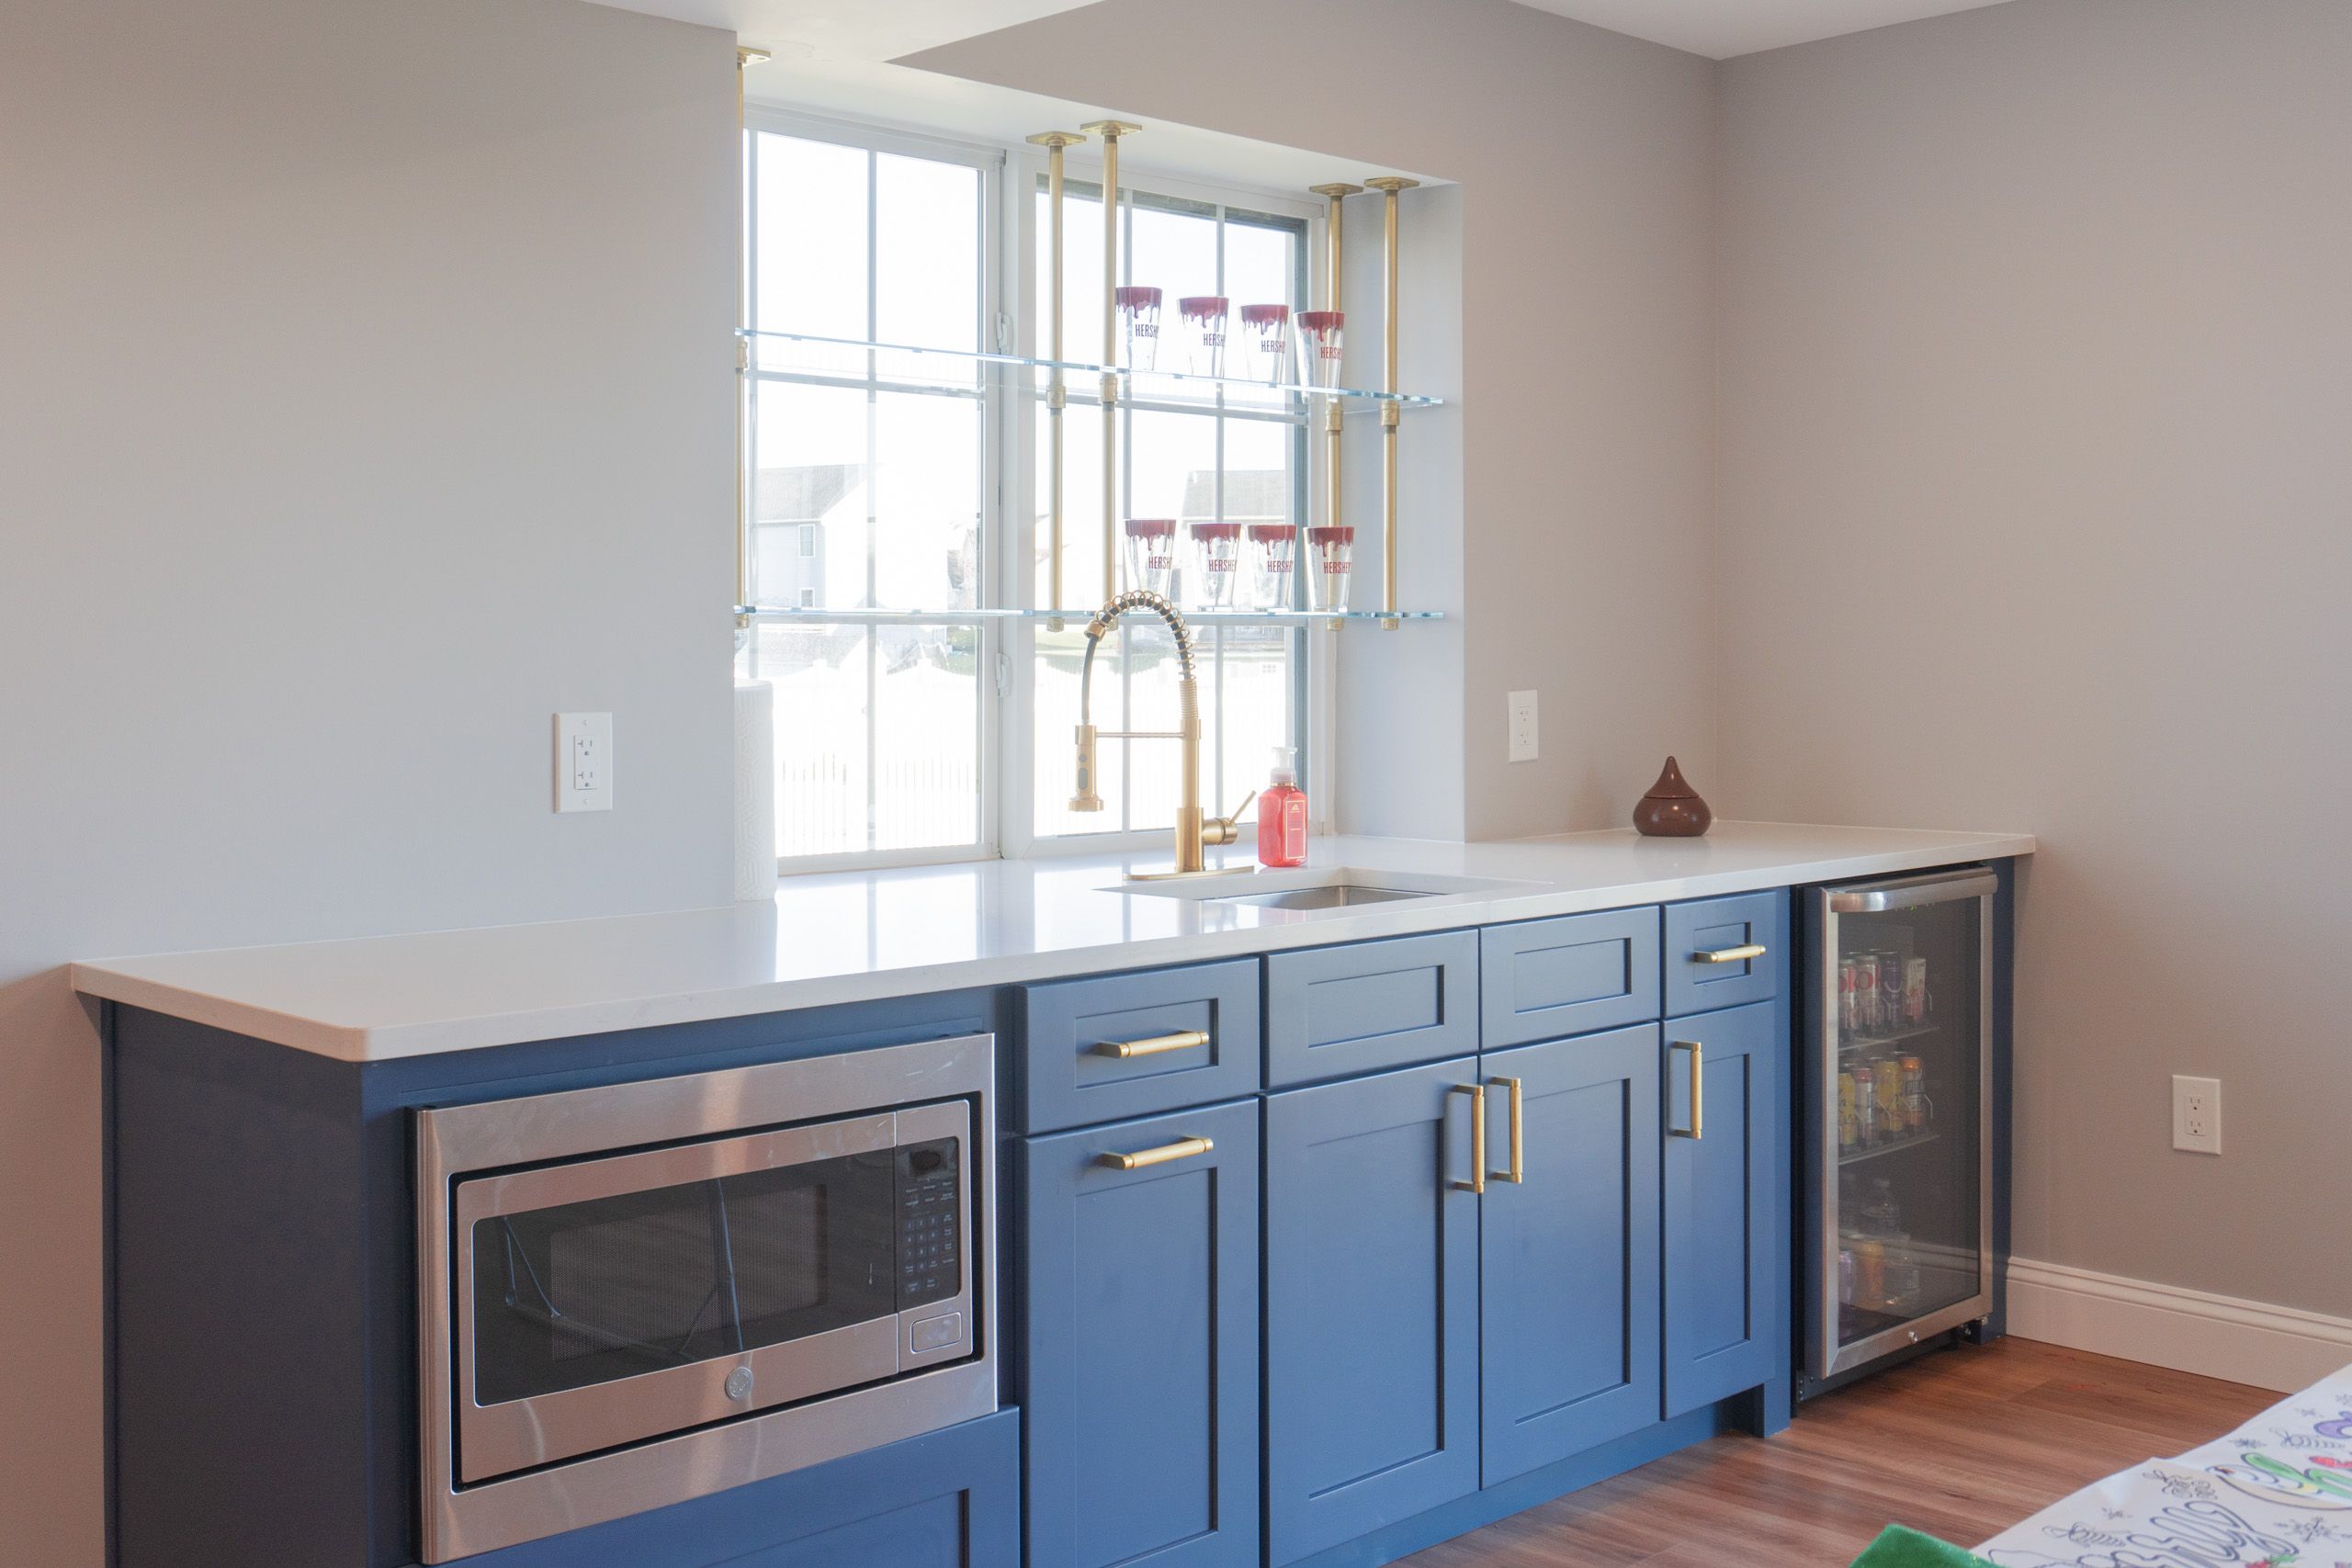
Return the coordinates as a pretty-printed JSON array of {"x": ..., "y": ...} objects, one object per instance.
[
  {"x": 1721, "y": 29},
  {"x": 886, "y": 29}
]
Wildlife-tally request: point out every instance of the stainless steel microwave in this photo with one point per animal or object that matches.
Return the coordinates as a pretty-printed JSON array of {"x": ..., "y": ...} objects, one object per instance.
[{"x": 634, "y": 1294}]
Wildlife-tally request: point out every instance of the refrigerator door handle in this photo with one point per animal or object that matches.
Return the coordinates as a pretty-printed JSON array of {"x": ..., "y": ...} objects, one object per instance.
[{"x": 1911, "y": 892}]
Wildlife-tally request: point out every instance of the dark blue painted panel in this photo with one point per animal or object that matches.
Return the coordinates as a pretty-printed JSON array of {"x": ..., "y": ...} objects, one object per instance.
[
  {"x": 1543, "y": 979},
  {"x": 1569, "y": 1256},
  {"x": 1726, "y": 1206},
  {"x": 1063, "y": 1080},
  {"x": 1141, "y": 1336},
  {"x": 1334, "y": 1012},
  {"x": 1371, "y": 1300},
  {"x": 1693, "y": 985},
  {"x": 947, "y": 1500}
]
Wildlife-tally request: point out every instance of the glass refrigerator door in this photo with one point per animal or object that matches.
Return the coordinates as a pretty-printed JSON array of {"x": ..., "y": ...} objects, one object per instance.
[{"x": 1907, "y": 1235}]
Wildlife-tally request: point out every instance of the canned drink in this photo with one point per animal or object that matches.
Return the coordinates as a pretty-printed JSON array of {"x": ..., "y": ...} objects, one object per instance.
[
  {"x": 1915, "y": 1094},
  {"x": 1865, "y": 1104},
  {"x": 1889, "y": 990},
  {"x": 1914, "y": 992},
  {"x": 1888, "y": 1083},
  {"x": 1866, "y": 1004},
  {"x": 1870, "y": 1271},
  {"x": 1849, "y": 1115},
  {"x": 1849, "y": 995}
]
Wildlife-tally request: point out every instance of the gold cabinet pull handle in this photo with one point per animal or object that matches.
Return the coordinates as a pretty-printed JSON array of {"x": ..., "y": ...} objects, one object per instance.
[
  {"x": 1740, "y": 954},
  {"x": 1128, "y": 1050},
  {"x": 1478, "y": 1182},
  {"x": 1183, "y": 1148},
  {"x": 1698, "y": 1088},
  {"x": 1518, "y": 1171}
]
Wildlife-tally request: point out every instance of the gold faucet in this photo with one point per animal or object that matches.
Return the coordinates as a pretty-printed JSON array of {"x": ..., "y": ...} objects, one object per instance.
[{"x": 1194, "y": 833}]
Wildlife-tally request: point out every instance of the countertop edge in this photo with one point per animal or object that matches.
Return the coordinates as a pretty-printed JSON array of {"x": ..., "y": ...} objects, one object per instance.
[{"x": 359, "y": 1043}]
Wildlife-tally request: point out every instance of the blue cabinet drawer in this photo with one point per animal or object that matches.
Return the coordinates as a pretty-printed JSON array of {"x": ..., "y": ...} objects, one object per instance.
[
  {"x": 1114, "y": 1046},
  {"x": 1709, "y": 960},
  {"x": 1542, "y": 979},
  {"x": 1335, "y": 1011}
]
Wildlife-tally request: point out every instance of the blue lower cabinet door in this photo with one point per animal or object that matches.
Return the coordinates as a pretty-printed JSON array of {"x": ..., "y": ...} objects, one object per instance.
[
  {"x": 1726, "y": 1202},
  {"x": 1372, "y": 1304},
  {"x": 1569, "y": 1256},
  {"x": 1140, "y": 1342}
]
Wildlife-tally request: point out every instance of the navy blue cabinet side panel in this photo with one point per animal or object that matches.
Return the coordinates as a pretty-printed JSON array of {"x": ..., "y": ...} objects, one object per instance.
[
  {"x": 947, "y": 1499},
  {"x": 2004, "y": 960},
  {"x": 1569, "y": 1256},
  {"x": 1727, "y": 1206},
  {"x": 1372, "y": 1305},
  {"x": 1141, "y": 1345},
  {"x": 241, "y": 1285}
]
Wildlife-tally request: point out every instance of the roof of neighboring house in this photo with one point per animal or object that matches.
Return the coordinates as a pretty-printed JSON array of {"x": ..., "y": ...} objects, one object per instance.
[{"x": 803, "y": 494}]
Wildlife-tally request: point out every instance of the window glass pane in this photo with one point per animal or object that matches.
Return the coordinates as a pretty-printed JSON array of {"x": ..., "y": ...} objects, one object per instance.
[
  {"x": 1253, "y": 706},
  {"x": 927, "y": 242},
  {"x": 926, "y": 501},
  {"x": 1082, "y": 274},
  {"x": 812, "y": 226},
  {"x": 1081, "y": 508},
  {"x": 810, "y": 500},
  {"x": 819, "y": 673},
  {"x": 1176, "y": 252},
  {"x": 1056, "y": 671},
  {"x": 926, "y": 737},
  {"x": 1171, "y": 473}
]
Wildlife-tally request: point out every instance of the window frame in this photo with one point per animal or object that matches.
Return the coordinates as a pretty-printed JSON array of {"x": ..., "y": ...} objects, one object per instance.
[{"x": 1010, "y": 244}]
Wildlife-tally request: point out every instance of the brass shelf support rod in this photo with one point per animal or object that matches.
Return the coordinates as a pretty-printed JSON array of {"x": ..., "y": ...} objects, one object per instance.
[
  {"x": 1391, "y": 412},
  {"x": 1110, "y": 131},
  {"x": 1056, "y": 393},
  {"x": 1334, "y": 291},
  {"x": 745, "y": 58}
]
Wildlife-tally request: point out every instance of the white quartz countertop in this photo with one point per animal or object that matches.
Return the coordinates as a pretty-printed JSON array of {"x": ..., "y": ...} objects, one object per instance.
[{"x": 858, "y": 936}]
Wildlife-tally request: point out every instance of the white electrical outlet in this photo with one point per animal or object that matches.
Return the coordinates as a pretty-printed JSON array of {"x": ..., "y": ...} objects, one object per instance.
[
  {"x": 2197, "y": 1115},
  {"x": 584, "y": 761},
  {"x": 1522, "y": 727}
]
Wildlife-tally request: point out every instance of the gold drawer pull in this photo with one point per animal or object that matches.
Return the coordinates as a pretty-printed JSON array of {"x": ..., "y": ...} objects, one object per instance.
[
  {"x": 1128, "y": 1050},
  {"x": 1183, "y": 1148},
  {"x": 1698, "y": 1089},
  {"x": 1518, "y": 1171},
  {"x": 1478, "y": 1182},
  {"x": 1730, "y": 954}
]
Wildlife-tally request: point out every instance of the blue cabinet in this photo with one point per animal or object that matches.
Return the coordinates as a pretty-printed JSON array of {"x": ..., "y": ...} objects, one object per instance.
[
  {"x": 1570, "y": 1255},
  {"x": 1726, "y": 1202},
  {"x": 1372, "y": 1302},
  {"x": 1115, "y": 1046},
  {"x": 1542, "y": 979},
  {"x": 1139, "y": 1342},
  {"x": 1722, "y": 952},
  {"x": 1334, "y": 1012}
]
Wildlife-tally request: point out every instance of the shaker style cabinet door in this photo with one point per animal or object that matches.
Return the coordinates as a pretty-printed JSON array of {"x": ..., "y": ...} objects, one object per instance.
[
  {"x": 1726, "y": 1202},
  {"x": 1140, "y": 1342},
  {"x": 1570, "y": 1252},
  {"x": 1372, "y": 1304}
]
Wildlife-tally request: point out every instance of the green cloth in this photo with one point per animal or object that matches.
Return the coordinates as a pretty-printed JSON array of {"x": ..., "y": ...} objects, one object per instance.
[{"x": 1900, "y": 1548}]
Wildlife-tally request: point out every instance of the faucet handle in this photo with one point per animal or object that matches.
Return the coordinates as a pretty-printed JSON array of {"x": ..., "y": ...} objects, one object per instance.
[{"x": 1224, "y": 830}]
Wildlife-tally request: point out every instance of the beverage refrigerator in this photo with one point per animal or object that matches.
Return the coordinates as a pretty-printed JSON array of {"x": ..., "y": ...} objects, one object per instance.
[{"x": 1897, "y": 1146}]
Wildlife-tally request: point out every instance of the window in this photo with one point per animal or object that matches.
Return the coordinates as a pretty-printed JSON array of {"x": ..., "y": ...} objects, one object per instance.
[{"x": 890, "y": 495}]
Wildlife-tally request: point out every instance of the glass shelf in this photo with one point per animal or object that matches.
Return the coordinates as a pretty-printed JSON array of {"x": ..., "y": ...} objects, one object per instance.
[
  {"x": 963, "y": 372},
  {"x": 951, "y": 617}
]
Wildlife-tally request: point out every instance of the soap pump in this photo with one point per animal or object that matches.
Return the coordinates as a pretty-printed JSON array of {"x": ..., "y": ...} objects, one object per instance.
[{"x": 1282, "y": 814}]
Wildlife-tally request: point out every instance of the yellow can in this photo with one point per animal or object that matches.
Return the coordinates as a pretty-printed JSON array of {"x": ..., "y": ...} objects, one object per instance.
[
  {"x": 1887, "y": 1084},
  {"x": 1849, "y": 1116}
]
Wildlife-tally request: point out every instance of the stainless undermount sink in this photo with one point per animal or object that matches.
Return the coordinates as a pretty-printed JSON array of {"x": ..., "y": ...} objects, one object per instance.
[{"x": 1335, "y": 888}]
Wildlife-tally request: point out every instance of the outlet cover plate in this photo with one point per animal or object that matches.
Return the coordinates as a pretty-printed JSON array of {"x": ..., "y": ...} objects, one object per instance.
[
  {"x": 584, "y": 761},
  {"x": 2197, "y": 1115},
  {"x": 1522, "y": 727}
]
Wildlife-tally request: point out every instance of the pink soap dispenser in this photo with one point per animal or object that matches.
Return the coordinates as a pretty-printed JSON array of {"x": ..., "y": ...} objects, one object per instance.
[{"x": 1282, "y": 815}]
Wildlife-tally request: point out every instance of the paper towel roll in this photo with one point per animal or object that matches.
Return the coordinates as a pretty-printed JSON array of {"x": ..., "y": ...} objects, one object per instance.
[{"x": 754, "y": 790}]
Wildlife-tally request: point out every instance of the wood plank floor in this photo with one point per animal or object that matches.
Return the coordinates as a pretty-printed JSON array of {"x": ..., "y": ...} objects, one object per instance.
[{"x": 1961, "y": 1444}]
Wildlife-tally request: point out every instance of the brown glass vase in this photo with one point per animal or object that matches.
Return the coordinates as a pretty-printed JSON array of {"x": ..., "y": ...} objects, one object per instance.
[{"x": 1672, "y": 809}]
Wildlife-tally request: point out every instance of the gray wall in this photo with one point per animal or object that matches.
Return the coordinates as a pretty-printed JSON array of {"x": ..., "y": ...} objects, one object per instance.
[
  {"x": 1585, "y": 163},
  {"x": 367, "y": 399},
  {"x": 2037, "y": 510}
]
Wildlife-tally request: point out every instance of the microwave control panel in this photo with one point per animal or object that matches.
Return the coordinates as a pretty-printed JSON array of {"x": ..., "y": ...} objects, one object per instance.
[{"x": 931, "y": 1222}]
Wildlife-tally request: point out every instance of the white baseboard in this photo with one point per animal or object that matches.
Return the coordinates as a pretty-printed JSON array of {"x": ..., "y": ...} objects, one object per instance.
[{"x": 2164, "y": 1326}]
